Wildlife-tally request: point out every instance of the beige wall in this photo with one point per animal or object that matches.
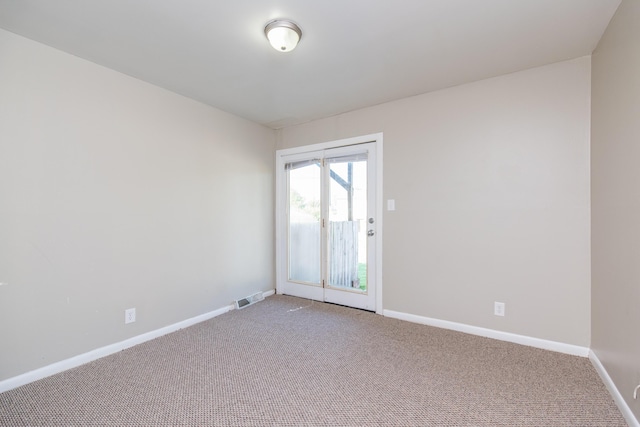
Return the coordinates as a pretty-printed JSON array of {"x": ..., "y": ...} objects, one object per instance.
[
  {"x": 615, "y": 194},
  {"x": 117, "y": 194},
  {"x": 491, "y": 183}
]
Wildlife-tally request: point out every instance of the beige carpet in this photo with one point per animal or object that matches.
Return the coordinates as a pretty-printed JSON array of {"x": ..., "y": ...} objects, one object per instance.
[{"x": 289, "y": 362}]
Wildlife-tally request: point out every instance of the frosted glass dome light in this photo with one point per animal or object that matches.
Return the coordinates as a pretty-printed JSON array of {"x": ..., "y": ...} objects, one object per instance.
[{"x": 283, "y": 35}]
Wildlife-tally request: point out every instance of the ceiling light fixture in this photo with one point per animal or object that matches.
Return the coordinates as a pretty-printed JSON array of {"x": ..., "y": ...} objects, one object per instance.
[{"x": 283, "y": 34}]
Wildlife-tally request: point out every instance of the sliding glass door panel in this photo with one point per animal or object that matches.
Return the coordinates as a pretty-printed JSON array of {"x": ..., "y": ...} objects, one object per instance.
[
  {"x": 305, "y": 222},
  {"x": 330, "y": 226}
]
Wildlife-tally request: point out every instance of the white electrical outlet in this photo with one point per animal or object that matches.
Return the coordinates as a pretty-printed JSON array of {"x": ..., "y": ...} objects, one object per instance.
[
  {"x": 498, "y": 308},
  {"x": 130, "y": 315}
]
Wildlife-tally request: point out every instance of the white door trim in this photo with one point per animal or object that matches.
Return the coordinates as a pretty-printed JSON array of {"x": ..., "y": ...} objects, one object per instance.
[{"x": 281, "y": 261}]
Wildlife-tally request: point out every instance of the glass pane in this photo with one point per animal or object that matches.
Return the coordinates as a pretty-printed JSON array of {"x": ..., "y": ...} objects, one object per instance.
[
  {"x": 304, "y": 223},
  {"x": 347, "y": 245}
]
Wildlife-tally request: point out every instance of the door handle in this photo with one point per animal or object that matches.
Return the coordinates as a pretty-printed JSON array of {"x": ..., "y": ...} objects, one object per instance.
[{"x": 370, "y": 233}]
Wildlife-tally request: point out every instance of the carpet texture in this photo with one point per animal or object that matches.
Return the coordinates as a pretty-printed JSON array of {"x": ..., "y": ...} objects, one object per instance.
[{"x": 291, "y": 362}]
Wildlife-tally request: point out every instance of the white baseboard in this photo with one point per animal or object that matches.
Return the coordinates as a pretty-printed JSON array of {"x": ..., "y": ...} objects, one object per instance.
[
  {"x": 269, "y": 293},
  {"x": 491, "y": 333},
  {"x": 92, "y": 355},
  {"x": 613, "y": 390}
]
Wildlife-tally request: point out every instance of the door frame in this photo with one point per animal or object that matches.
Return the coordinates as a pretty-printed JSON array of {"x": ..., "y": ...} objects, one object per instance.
[{"x": 281, "y": 199}]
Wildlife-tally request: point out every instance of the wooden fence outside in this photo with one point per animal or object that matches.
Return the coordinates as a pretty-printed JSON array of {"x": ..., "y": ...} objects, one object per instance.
[{"x": 304, "y": 256}]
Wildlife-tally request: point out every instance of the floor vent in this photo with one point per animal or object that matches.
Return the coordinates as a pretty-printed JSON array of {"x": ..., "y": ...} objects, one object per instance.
[{"x": 251, "y": 299}]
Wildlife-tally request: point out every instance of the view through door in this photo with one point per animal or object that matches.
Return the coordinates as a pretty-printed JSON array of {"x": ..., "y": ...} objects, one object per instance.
[{"x": 330, "y": 226}]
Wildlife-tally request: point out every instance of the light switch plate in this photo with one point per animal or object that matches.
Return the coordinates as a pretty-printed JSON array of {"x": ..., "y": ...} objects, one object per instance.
[{"x": 391, "y": 205}]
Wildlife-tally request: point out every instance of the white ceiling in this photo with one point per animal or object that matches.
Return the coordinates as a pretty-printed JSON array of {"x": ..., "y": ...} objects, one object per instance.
[{"x": 353, "y": 53}]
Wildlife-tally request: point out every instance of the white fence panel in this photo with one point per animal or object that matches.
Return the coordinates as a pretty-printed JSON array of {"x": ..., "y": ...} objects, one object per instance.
[
  {"x": 304, "y": 252},
  {"x": 343, "y": 254}
]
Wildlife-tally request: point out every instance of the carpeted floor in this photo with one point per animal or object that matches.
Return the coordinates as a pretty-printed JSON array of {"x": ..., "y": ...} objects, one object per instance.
[{"x": 290, "y": 362}]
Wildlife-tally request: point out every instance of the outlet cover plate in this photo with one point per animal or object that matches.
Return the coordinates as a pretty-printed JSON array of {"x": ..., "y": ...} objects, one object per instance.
[
  {"x": 130, "y": 315},
  {"x": 498, "y": 308}
]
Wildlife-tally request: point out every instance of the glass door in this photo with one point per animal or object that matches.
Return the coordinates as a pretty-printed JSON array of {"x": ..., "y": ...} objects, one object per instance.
[
  {"x": 305, "y": 221},
  {"x": 330, "y": 226}
]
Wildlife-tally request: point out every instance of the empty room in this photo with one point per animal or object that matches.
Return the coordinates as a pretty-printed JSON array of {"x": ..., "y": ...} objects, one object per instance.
[{"x": 328, "y": 213}]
